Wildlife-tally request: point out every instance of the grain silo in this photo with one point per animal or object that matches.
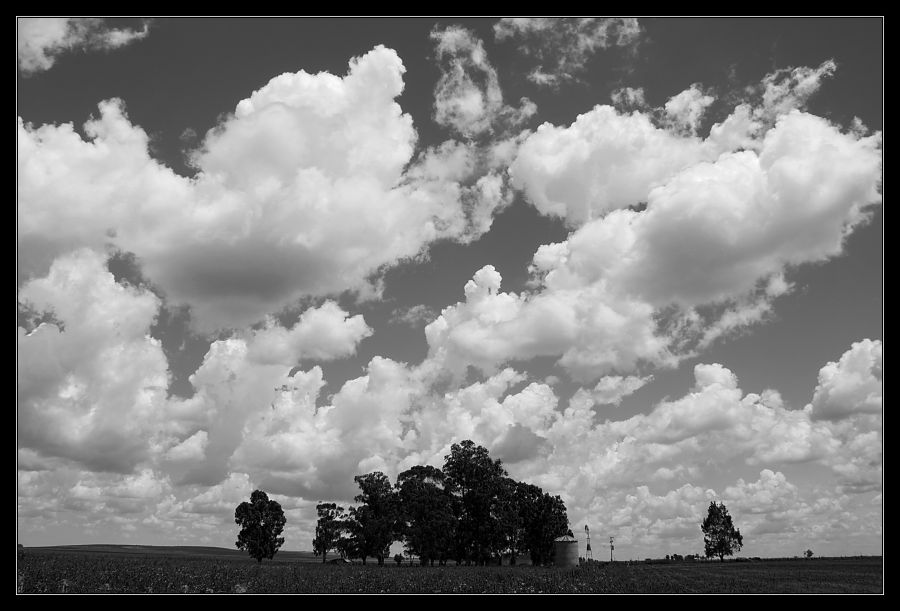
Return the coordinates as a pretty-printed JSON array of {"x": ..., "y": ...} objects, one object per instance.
[{"x": 565, "y": 550}]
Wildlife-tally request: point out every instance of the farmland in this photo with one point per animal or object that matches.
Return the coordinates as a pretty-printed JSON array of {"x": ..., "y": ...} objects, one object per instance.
[{"x": 132, "y": 569}]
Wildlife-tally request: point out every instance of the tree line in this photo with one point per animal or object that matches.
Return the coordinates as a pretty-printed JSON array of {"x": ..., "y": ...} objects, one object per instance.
[{"x": 470, "y": 511}]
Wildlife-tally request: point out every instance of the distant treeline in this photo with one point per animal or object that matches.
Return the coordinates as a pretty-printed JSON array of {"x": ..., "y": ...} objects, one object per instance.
[{"x": 470, "y": 512}]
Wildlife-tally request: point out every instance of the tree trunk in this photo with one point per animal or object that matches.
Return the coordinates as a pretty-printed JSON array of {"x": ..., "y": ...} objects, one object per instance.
[{"x": 721, "y": 557}]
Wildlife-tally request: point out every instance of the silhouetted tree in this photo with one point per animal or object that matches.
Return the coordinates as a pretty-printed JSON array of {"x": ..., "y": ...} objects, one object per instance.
[
  {"x": 808, "y": 553},
  {"x": 346, "y": 545},
  {"x": 510, "y": 530},
  {"x": 427, "y": 523},
  {"x": 475, "y": 479},
  {"x": 544, "y": 518},
  {"x": 720, "y": 536},
  {"x": 374, "y": 523},
  {"x": 328, "y": 528},
  {"x": 261, "y": 521}
]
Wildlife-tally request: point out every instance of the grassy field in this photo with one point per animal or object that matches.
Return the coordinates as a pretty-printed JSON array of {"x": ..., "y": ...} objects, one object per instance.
[{"x": 133, "y": 569}]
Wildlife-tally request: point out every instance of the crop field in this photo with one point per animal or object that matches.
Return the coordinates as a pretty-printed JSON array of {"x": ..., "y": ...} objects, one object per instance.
[{"x": 118, "y": 569}]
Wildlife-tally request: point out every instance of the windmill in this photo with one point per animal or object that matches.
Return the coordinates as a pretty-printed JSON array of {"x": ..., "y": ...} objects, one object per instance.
[
  {"x": 588, "y": 554},
  {"x": 611, "y": 548}
]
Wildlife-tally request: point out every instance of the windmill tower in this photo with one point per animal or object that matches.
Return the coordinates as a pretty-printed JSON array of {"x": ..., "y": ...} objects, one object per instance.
[
  {"x": 588, "y": 554},
  {"x": 611, "y": 548}
]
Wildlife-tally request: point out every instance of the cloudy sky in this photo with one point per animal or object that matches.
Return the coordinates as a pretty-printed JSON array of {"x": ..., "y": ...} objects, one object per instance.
[{"x": 640, "y": 260}]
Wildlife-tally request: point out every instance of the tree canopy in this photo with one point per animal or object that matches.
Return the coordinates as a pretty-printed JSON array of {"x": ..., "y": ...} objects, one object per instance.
[
  {"x": 720, "y": 536},
  {"x": 261, "y": 521},
  {"x": 374, "y": 523},
  {"x": 328, "y": 528},
  {"x": 469, "y": 511}
]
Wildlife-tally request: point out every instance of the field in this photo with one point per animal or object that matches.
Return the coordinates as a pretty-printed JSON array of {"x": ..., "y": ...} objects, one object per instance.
[{"x": 132, "y": 569}]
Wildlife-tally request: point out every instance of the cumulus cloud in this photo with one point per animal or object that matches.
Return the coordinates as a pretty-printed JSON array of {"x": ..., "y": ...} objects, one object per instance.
[
  {"x": 704, "y": 258},
  {"x": 770, "y": 494},
  {"x": 303, "y": 190},
  {"x": 686, "y": 109},
  {"x": 603, "y": 161},
  {"x": 40, "y": 40},
  {"x": 257, "y": 425},
  {"x": 468, "y": 96},
  {"x": 598, "y": 465},
  {"x": 77, "y": 408},
  {"x": 323, "y": 333},
  {"x": 564, "y": 46},
  {"x": 593, "y": 332},
  {"x": 288, "y": 202},
  {"x": 93, "y": 393},
  {"x": 191, "y": 449},
  {"x": 610, "y": 390},
  {"x": 790, "y": 88},
  {"x": 852, "y": 385},
  {"x": 608, "y": 159}
]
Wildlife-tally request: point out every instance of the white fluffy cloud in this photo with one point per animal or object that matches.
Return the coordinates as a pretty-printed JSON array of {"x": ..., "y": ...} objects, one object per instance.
[
  {"x": 610, "y": 390},
  {"x": 607, "y": 160},
  {"x": 686, "y": 109},
  {"x": 564, "y": 46},
  {"x": 747, "y": 215},
  {"x": 852, "y": 385},
  {"x": 790, "y": 88},
  {"x": 468, "y": 96},
  {"x": 848, "y": 399},
  {"x": 73, "y": 405},
  {"x": 40, "y": 40},
  {"x": 302, "y": 191},
  {"x": 312, "y": 185},
  {"x": 93, "y": 392},
  {"x": 592, "y": 331},
  {"x": 611, "y": 473},
  {"x": 254, "y": 425},
  {"x": 717, "y": 233},
  {"x": 322, "y": 333},
  {"x": 602, "y": 161}
]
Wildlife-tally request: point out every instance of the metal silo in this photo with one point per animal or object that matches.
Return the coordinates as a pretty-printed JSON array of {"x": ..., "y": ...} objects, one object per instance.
[{"x": 565, "y": 550}]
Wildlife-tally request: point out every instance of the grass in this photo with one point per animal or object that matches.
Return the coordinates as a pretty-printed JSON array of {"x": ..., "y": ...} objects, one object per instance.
[{"x": 132, "y": 569}]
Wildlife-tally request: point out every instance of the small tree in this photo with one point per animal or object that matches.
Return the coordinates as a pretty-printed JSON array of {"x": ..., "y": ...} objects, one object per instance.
[
  {"x": 398, "y": 558},
  {"x": 261, "y": 521},
  {"x": 808, "y": 553},
  {"x": 719, "y": 534}
]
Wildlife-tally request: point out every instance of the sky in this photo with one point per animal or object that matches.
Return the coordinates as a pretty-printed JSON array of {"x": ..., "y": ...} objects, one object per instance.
[{"x": 640, "y": 260}]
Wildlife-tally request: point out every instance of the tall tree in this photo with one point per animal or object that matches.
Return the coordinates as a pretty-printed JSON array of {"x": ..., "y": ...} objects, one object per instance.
[
  {"x": 374, "y": 523},
  {"x": 261, "y": 521},
  {"x": 475, "y": 479},
  {"x": 720, "y": 536},
  {"x": 510, "y": 531},
  {"x": 426, "y": 513},
  {"x": 328, "y": 528},
  {"x": 543, "y": 519}
]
